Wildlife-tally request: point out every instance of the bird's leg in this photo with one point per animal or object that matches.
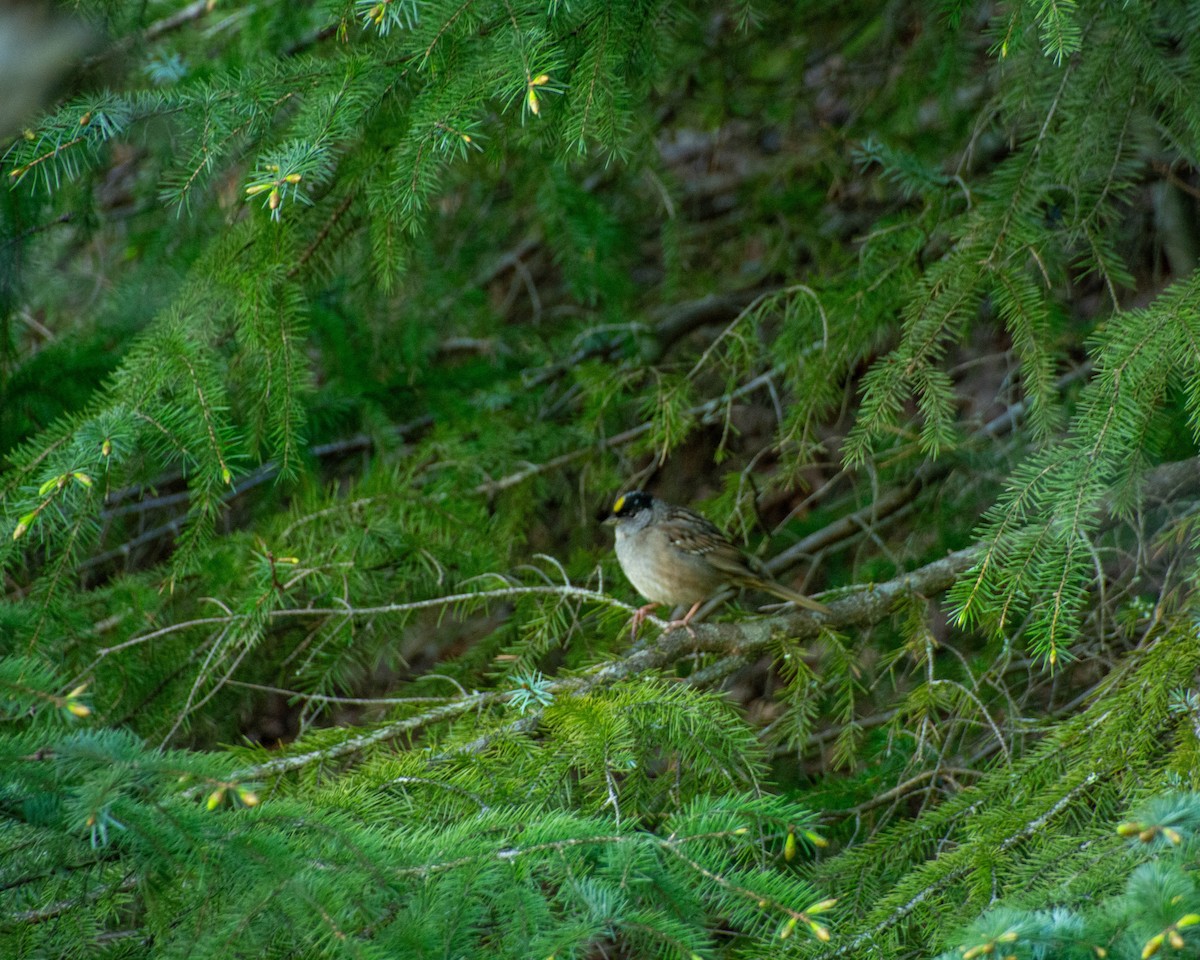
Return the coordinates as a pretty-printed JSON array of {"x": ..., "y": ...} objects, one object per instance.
[
  {"x": 639, "y": 615},
  {"x": 686, "y": 622}
]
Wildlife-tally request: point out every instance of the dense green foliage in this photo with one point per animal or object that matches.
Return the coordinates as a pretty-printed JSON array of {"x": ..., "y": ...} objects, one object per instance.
[
  {"x": 326, "y": 329},
  {"x": 1153, "y": 912}
]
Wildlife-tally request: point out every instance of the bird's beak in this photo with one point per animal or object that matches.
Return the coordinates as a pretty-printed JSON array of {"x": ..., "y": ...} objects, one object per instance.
[{"x": 610, "y": 520}]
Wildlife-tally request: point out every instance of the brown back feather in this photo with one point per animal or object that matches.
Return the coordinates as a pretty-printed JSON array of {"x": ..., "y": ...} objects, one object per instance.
[{"x": 695, "y": 534}]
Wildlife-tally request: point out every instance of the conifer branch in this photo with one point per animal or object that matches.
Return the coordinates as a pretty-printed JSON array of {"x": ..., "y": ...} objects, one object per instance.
[
  {"x": 346, "y": 701},
  {"x": 669, "y": 844},
  {"x": 870, "y": 312},
  {"x": 322, "y": 235},
  {"x": 863, "y": 606},
  {"x": 735, "y": 642},
  {"x": 899, "y": 791},
  {"x": 952, "y": 876}
]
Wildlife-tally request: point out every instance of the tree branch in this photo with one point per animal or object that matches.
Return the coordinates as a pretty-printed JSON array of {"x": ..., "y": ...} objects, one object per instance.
[
  {"x": 865, "y": 605},
  {"x": 737, "y": 641}
]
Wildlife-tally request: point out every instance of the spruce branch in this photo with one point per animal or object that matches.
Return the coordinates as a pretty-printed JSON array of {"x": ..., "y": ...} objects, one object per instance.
[
  {"x": 949, "y": 877},
  {"x": 681, "y": 319},
  {"x": 344, "y": 701},
  {"x": 739, "y": 641},
  {"x": 735, "y": 643}
]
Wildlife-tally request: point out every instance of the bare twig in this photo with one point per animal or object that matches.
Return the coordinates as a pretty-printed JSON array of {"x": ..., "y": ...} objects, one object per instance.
[
  {"x": 893, "y": 501},
  {"x": 705, "y": 412},
  {"x": 185, "y": 15}
]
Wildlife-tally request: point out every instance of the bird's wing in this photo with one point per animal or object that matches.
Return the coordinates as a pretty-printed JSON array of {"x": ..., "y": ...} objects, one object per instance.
[
  {"x": 691, "y": 533},
  {"x": 697, "y": 535}
]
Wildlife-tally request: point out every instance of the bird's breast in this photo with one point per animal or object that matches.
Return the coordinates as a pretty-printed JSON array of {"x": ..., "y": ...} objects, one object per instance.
[{"x": 660, "y": 572}]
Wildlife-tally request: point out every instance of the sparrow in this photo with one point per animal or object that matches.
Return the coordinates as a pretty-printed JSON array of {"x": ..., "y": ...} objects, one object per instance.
[{"x": 674, "y": 555}]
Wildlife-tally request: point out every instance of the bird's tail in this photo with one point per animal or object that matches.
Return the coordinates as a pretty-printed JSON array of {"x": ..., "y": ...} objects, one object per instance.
[{"x": 787, "y": 593}]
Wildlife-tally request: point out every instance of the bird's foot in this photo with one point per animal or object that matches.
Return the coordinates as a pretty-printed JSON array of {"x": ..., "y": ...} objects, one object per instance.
[
  {"x": 686, "y": 622},
  {"x": 639, "y": 615}
]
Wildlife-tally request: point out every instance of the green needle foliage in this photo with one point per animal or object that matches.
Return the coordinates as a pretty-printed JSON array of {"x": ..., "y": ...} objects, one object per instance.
[
  {"x": 1152, "y": 909},
  {"x": 328, "y": 328}
]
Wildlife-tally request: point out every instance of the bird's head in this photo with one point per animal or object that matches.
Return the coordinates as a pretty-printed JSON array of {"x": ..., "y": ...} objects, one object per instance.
[{"x": 629, "y": 506}]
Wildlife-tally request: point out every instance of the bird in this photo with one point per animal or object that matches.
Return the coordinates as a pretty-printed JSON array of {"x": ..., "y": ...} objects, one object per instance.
[{"x": 674, "y": 555}]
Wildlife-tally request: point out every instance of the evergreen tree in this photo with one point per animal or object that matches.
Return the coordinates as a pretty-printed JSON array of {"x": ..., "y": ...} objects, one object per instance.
[{"x": 328, "y": 330}]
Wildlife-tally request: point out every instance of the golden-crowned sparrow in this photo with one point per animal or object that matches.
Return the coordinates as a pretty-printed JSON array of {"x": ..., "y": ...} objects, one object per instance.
[{"x": 673, "y": 555}]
